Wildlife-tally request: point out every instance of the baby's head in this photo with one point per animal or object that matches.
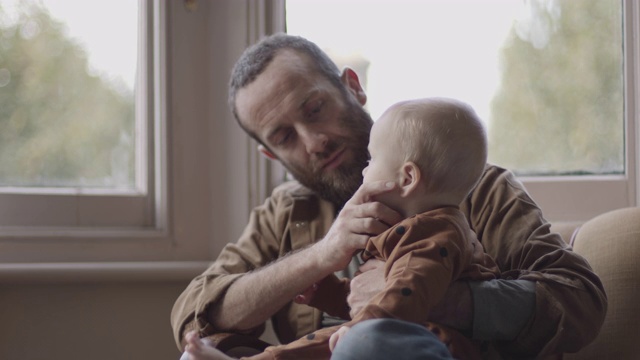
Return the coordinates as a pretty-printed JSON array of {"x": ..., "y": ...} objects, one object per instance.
[{"x": 439, "y": 144}]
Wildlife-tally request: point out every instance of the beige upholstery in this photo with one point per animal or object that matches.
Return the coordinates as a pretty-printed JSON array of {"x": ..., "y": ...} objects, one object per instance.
[{"x": 611, "y": 244}]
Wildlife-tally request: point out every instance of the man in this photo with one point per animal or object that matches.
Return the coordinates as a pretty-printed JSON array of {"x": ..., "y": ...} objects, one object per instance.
[{"x": 308, "y": 115}]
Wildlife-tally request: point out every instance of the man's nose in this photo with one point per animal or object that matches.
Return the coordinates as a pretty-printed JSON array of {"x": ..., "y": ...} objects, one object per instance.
[{"x": 315, "y": 142}]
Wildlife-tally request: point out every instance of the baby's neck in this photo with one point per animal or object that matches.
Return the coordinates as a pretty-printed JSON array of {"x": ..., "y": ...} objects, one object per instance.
[{"x": 426, "y": 203}]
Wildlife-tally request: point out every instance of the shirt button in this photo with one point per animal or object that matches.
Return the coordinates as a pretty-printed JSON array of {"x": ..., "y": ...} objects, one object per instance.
[{"x": 443, "y": 252}]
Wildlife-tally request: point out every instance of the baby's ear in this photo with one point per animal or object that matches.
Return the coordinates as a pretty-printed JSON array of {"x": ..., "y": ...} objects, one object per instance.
[{"x": 409, "y": 178}]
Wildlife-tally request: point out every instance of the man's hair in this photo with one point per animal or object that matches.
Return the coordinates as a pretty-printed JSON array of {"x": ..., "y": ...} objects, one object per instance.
[
  {"x": 445, "y": 139},
  {"x": 255, "y": 59}
]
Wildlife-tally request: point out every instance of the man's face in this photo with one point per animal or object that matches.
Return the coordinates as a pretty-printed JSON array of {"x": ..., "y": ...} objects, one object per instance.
[{"x": 319, "y": 133}]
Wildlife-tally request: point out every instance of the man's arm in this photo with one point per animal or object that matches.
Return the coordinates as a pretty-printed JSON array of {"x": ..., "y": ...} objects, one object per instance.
[
  {"x": 232, "y": 296},
  {"x": 506, "y": 304},
  {"x": 570, "y": 302},
  {"x": 257, "y": 295}
]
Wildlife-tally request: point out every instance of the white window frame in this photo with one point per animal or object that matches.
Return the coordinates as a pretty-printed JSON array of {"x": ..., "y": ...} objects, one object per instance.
[
  {"x": 62, "y": 225},
  {"x": 28, "y": 211}
]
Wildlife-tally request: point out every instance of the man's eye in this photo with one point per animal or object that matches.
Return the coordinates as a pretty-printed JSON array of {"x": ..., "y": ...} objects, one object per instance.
[
  {"x": 316, "y": 108},
  {"x": 284, "y": 139}
]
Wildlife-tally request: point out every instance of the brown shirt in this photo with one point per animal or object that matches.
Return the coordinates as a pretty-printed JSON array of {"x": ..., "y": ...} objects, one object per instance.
[
  {"x": 423, "y": 255},
  {"x": 570, "y": 299}
]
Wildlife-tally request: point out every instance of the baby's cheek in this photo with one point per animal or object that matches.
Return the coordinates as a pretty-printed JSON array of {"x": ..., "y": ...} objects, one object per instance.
[{"x": 369, "y": 175}]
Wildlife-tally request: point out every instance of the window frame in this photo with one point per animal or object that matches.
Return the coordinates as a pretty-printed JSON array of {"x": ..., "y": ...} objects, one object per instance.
[
  {"x": 76, "y": 209},
  {"x": 74, "y": 224}
]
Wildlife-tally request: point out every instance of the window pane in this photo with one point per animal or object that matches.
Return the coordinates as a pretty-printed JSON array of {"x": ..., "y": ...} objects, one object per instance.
[
  {"x": 545, "y": 75},
  {"x": 67, "y": 80}
]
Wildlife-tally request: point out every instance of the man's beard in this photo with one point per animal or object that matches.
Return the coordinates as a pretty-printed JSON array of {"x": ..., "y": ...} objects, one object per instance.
[{"x": 339, "y": 185}]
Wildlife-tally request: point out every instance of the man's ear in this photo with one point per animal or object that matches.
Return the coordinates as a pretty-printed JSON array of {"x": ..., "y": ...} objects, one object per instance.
[
  {"x": 350, "y": 80},
  {"x": 266, "y": 152},
  {"x": 410, "y": 176}
]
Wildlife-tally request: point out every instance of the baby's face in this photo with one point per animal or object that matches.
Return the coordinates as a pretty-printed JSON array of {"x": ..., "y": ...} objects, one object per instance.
[{"x": 385, "y": 160}]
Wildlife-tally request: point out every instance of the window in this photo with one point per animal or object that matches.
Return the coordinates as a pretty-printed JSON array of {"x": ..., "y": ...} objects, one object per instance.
[
  {"x": 194, "y": 191},
  {"x": 80, "y": 150},
  {"x": 67, "y": 95},
  {"x": 73, "y": 149},
  {"x": 547, "y": 76}
]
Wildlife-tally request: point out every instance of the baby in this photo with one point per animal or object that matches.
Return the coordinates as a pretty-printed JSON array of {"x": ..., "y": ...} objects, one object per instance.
[{"x": 435, "y": 151}]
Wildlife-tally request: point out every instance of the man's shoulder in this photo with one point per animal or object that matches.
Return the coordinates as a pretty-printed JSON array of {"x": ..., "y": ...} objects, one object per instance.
[
  {"x": 492, "y": 170},
  {"x": 496, "y": 177}
]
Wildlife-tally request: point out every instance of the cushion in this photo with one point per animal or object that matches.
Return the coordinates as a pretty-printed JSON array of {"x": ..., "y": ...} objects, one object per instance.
[{"x": 611, "y": 244}]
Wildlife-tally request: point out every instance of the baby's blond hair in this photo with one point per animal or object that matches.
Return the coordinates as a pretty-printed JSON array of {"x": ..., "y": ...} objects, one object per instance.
[{"x": 445, "y": 139}]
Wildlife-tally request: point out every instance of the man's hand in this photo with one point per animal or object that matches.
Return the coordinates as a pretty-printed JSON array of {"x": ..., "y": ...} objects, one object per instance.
[
  {"x": 368, "y": 282},
  {"x": 360, "y": 218}
]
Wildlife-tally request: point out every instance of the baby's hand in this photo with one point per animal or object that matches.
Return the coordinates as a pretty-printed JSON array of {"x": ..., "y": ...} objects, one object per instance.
[
  {"x": 201, "y": 349},
  {"x": 306, "y": 296},
  {"x": 333, "y": 340},
  {"x": 194, "y": 344}
]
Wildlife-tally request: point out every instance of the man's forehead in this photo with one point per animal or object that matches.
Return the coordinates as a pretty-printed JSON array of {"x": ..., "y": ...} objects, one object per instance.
[
  {"x": 282, "y": 87},
  {"x": 267, "y": 97}
]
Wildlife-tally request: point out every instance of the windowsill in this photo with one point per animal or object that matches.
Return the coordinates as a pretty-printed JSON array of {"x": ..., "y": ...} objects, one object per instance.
[{"x": 99, "y": 273}]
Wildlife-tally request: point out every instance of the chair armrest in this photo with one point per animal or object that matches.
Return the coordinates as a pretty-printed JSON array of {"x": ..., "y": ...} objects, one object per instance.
[{"x": 611, "y": 244}]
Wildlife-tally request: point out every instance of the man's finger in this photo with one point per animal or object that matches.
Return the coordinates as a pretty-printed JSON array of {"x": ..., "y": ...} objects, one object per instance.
[
  {"x": 383, "y": 214},
  {"x": 371, "y": 264},
  {"x": 368, "y": 191}
]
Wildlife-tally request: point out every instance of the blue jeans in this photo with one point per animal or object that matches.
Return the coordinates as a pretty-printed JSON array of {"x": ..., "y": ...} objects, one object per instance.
[{"x": 389, "y": 339}]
